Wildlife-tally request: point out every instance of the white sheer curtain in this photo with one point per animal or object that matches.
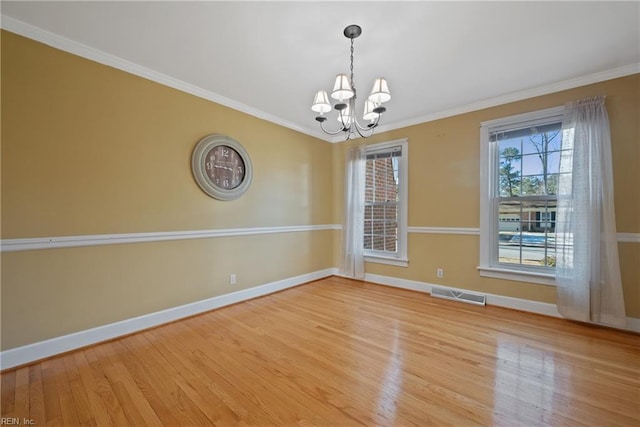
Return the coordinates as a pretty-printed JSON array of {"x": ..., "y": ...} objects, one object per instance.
[
  {"x": 587, "y": 268},
  {"x": 352, "y": 258}
]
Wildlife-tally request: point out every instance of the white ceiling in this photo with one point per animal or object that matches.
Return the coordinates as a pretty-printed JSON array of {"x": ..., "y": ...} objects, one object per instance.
[{"x": 268, "y": 58}]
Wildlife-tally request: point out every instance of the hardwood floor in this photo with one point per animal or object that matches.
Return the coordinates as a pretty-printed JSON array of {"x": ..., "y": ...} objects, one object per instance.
[{"x": 340, "y": 352}]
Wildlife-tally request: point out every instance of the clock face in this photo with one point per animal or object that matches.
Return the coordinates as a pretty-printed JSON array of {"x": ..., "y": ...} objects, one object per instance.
[
  {"x": 224, "y": 167},
  {"x": 221, "y": 167}
]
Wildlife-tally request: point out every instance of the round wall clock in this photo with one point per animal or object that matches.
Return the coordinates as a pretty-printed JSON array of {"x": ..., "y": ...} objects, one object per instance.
[{"x": 221, "y": 167}]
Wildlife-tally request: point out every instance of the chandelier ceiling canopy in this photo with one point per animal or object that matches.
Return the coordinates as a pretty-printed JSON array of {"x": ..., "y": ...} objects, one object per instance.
[{"x": 344, "y": 92}]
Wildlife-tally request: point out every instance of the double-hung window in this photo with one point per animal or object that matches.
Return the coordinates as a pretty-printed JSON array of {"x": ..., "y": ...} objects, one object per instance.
[
  {"x": 520, "y": 170},
  {"x": 385, "y": 206}
]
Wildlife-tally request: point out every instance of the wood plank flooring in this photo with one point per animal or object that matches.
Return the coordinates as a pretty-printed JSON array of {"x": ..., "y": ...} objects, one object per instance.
[{"x": 341, "y": 353}]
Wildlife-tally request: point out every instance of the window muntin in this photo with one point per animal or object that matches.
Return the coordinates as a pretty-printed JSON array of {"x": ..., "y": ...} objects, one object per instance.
[
  {"x": 518, "y": 195},
  {"x": 382, "y": 197},
  {"x": 525, "y": 196},
  {"x": 385, "y": 207}
]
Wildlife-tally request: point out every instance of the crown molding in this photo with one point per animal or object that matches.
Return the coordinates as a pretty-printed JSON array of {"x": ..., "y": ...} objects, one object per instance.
[
  {"x": 519, "y": 96},
  {"x": 16, "y": 26},
  {"x": 84, "y": 51}
]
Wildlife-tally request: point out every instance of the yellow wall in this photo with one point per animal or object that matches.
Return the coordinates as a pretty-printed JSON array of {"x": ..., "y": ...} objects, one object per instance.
[
  {"x": 444, "y": 190},
  {"x": 87, "y": 149}
]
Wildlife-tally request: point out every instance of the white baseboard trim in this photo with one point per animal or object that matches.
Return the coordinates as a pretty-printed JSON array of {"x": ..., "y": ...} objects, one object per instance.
[
  {"x": 41, "y": 350},
  {"x": 633, "y": 324},
  {"x": 412, "y": 285}
]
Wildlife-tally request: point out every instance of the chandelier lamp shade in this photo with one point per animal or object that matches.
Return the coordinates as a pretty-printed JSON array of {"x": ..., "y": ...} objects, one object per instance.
[{"x": 344, "y": 93}]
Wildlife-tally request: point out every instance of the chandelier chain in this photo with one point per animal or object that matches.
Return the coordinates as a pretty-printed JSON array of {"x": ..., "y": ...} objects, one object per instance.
[{"x": 353, "y": 84}]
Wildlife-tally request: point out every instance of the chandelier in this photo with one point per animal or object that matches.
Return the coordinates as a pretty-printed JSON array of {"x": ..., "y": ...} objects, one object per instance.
[{"x": 344, "y": 92}]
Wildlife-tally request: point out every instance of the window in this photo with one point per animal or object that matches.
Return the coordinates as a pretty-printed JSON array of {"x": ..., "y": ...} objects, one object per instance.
[
  {"x": 385, "y": 206},
  {"x": 520, "y": 169}
]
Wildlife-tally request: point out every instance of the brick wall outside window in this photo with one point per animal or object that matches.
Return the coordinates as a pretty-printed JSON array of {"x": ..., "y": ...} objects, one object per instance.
[{"x": 381, "y": 203}]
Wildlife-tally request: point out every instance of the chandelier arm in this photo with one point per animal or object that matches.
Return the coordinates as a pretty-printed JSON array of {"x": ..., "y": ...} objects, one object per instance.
[
  {"x": 366, "y": 128},
  {"x": 360, "y": 131},
  {"x": 330, "y": 132},
  {"x": 370, "y": 127},
  {"x": 344, "y": 125}
]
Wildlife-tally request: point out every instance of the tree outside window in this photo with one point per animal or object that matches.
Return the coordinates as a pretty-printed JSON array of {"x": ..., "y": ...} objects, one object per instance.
[{"x": 528, "y": 171}]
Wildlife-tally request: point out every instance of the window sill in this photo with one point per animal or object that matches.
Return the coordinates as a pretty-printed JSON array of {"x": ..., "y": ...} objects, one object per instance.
[
  {"x": 518, "y": 275},
  {"x": 398, "y": 262}
]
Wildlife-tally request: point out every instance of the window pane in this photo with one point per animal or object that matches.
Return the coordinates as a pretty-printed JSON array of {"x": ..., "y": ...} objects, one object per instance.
[
  {"x": 509, "y": 173},
  {"x": 390, "y": 244},
  {"x": 391, "y": 229},
  {"x": 553, "y": 162},
  {"x": 368, "y": 227},
  {"x": 368, "y": 192},
  {"x": 542, "y": 139},
  {"x": 378, "y": 243},
  {"x": 378, "y": 180},
  {"x": 531, "y": 165},
  {"x": 390, "y": 212},
  {"x": 533, "y": 185},
  {"x": 378, "y": 227},
  {"x": 526, "y": 156},
  {"x": 367, "y": 241},
  {"x": 378, "y": 212},
  {"x": 509, "y": 216},
  {"x": 552, "y": 184},
  {"x": 526, "y": 232},
  {"x": 384, "y": 182},
  {"x": 368, "y": 212},
  {"x": 381, "y": 199},
  {"x": 395, "y": 162},
  {"x": 368, "y": 186},
  {"x": 509, "y": 143}
]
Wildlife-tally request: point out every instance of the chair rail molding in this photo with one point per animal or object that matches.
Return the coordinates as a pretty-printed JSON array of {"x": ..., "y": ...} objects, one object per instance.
[{"x": 28, "y": 244}]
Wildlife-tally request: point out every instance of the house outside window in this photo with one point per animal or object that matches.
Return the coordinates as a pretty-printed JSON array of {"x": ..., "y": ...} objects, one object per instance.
[
  {"x": 385, "y": 207},
  {"x": 520, "y": 169}
]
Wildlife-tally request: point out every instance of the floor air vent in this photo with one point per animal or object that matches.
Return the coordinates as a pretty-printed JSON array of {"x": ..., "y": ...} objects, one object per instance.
[{"x": 452, "y": 294}]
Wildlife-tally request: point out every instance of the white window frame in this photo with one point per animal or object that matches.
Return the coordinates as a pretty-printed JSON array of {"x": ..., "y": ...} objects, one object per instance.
[
  {"x": 400, "y": 258},
  {"x": 489, "y": 266}
]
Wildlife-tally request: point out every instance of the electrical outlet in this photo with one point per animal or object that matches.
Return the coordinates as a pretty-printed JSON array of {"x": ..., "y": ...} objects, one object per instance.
[
  {"x": 440, "y": 272},
  {"x": 232, "y": 279}
]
